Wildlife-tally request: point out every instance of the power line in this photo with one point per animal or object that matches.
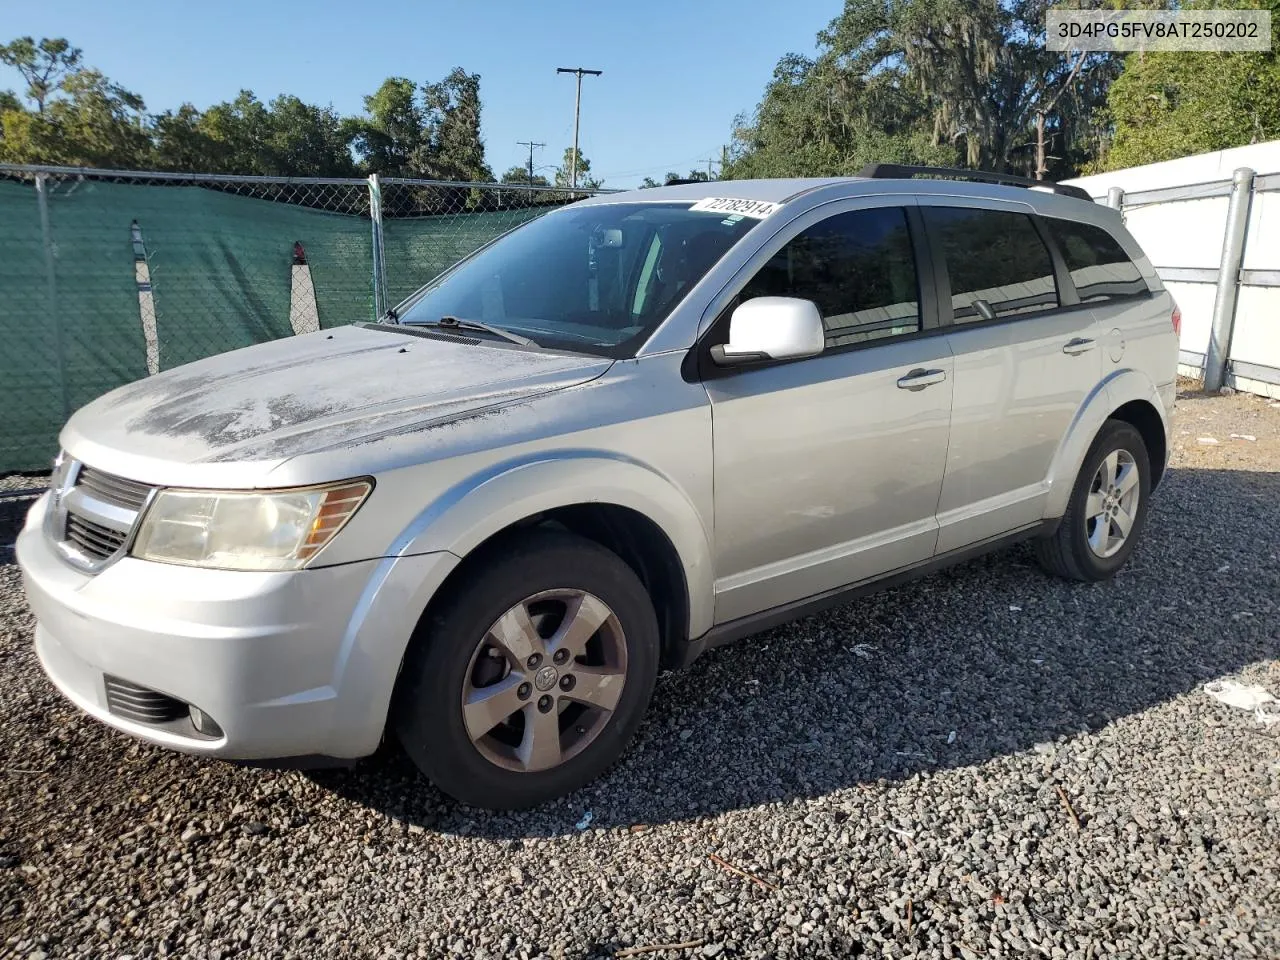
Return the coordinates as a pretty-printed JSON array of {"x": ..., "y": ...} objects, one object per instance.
[
  {"x": 530, "y": 144},
  {"x": 577, "y": 112},
  {"x": 661, "y": 167}
]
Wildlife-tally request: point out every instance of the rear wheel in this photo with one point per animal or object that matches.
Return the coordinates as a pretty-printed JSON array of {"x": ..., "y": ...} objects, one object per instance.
[
  {"x": 532, "y": 677},
  {"x": 1107, "y": 509}
]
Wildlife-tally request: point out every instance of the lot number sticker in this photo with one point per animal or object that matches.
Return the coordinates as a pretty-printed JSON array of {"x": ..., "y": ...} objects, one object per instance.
[{"x": 759, "y": 209}]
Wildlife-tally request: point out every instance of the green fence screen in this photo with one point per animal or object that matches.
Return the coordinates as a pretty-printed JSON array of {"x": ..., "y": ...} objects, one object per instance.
[{"x": 84, "y": 308}]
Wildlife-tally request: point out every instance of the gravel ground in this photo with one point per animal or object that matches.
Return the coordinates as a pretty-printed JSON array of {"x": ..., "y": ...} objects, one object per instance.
[
  {"x": 22, "y": 481},
  {"x": 985, "y": 763}
]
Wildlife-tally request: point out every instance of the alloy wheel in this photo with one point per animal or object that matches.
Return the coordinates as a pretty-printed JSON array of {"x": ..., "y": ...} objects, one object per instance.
[
  {"x": 1111, "y": 506},
  {"x": 544, "y": 680}
]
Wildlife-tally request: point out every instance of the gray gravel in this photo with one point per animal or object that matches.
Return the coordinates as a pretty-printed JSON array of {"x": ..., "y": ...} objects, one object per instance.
[
  {"x": 985, "y": 763},
  {"x": 12, "y": 482}
]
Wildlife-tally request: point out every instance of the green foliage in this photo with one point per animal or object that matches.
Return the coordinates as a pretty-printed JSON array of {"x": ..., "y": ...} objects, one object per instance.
[
  {"x": 432, "y": 132},
  {"x": 392, "y": 132},
  {"x": 1169, "y": 105},
  {"x": 950, "y": 82},
  {"x": 78, "y": 117},
  {"x": 564, "y": 172},
  {"x": 92, "y": 123},
  {"x": 672, "y": 175},
  {"x": 454, "y": 150},
  {"x": 519, "y": 174},
  {"x": 43, "y": 65},
  {"x": 284, "y": 138}
]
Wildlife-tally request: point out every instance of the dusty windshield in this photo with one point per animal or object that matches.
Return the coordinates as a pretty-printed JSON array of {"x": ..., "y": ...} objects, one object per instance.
[{"x": 597, "y": 279}]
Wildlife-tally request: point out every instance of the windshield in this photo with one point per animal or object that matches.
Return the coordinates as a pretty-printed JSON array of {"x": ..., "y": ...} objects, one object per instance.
[{"x": 596, "y": 279}]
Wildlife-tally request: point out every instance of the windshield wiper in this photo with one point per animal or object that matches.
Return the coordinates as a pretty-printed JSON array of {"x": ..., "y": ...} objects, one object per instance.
[{"x": 455, "y": 323}]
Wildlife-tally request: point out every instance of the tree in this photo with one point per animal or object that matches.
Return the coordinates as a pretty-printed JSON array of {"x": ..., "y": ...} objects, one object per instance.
[
  {"x": 91, "y": 122},
  {"x": 76, "y": 116},
  {"x": 182, "y": 144},
  {"x": 672, "y": 175},
  {"x": 308, "y": 140},
  {"x": 451, "y": 110},
  {"x": 43, "y": 65},
  {"x": 519, "y": 174},
  {"x": 927, "y": 81},
  {"x": 853, "y": 104},
  {"x": 1169, "y": 105},
  {"x": 564, "y": 172},
  {"x": 238, "y": 134},
  {"x": 392, "y": 132},
  {"x": 429, "y": 132},
  {"x": 286, "y": 137}
]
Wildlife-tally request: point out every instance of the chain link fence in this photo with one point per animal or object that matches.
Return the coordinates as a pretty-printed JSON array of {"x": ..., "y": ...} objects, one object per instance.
[{"x": 110, "y": 276}]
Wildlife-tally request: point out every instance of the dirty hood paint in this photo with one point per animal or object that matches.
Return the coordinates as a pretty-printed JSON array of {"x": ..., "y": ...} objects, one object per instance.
[{"x": 265, "y": 404}]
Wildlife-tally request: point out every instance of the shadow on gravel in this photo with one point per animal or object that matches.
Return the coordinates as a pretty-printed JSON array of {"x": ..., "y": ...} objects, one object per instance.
[{"x": 994, "y": 650}]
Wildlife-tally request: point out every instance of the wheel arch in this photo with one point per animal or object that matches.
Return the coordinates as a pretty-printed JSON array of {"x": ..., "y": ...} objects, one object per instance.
[
  {"x": 1126, "y": 395},
  {"x": 622, "y": 504},
  {"x": 1143, "y": 417}
]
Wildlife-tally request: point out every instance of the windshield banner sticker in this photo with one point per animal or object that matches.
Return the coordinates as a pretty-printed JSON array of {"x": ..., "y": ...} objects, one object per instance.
[{"x": 759, "y": 209}]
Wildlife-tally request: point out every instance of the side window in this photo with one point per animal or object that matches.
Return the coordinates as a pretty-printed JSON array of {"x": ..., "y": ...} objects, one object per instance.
[
  {"x": 858, "y": 267},
  {"x": 993, "y": 256},
  {"x": 1099, "y": 266}
]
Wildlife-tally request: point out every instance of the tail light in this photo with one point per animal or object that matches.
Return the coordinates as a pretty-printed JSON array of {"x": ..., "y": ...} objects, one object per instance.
[{"x": 1177, "y": 320}]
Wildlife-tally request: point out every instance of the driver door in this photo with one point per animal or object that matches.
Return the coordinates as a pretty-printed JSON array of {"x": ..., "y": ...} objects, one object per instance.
[{"x": 828, "y": 469}]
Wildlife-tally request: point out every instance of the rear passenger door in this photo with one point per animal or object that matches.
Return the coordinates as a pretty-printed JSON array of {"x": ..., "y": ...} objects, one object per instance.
[
  {"x": 1133, "y": 324},
  {"x": 1025, "y": 361}
]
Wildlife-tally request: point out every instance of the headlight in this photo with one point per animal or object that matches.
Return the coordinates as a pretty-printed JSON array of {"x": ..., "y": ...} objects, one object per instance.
[{"x": 272, "y": 530}]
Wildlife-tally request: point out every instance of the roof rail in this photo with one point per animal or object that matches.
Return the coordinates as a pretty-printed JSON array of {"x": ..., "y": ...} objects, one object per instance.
[{"x": 898, "y": 171}]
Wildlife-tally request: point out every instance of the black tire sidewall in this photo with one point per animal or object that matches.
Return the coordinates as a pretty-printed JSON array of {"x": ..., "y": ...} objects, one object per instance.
[
  {"x": 429, "y": 712},
  {"x": 1115, "y": 435}
]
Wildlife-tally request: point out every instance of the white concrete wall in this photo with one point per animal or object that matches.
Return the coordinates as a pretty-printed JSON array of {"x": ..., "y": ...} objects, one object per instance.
[
  {"x": 1202, "y": 168},
  {"x": 1189, "y": 233}
]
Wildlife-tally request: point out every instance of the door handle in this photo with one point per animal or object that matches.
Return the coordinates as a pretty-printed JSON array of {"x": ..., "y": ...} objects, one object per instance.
[
  {"x": 1077, "y": 345},
  {"x": 920, "y": 378}
]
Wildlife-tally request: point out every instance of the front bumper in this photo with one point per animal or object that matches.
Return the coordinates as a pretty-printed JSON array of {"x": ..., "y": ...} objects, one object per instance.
[{"x": 287, "y": 664}]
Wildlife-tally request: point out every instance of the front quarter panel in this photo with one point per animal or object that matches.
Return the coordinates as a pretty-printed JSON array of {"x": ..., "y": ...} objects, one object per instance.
[
  {"x": 475, "y": 509},
  {"x": 638, "y": 437}
]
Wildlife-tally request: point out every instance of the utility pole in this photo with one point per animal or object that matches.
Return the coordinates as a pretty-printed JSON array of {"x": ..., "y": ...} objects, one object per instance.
[
  {"x": 710, "y": 175},
  {"x": 577, "y": 112},
  {"x": 530, "y": 144}
]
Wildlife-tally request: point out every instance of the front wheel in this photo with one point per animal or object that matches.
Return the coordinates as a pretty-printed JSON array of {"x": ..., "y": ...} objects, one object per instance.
[
  {"x": 531, "y": 678},
  {"x": 1106, "y": 511}
]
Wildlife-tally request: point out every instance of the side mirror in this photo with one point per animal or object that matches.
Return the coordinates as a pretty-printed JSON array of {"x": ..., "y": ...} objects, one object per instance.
[{"x": 771, "y": 328}]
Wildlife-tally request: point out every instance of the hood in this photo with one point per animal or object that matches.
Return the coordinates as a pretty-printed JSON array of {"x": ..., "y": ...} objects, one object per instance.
[{"x": 240, "y": 414}]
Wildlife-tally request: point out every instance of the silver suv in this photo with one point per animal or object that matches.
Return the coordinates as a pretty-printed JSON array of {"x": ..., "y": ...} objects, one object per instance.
[{"x": 637, "y": 427}]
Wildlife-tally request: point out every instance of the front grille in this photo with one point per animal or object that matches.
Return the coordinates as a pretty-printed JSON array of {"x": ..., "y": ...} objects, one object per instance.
[
  {"x": 132, "y": 702},
  {"x": 113, "y": 489},
  {"x": 91, "y": 521},
  {"x": 91, "y": 539}
]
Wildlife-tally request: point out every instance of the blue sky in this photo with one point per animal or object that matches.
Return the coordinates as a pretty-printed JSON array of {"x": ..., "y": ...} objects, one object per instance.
[{"x": 675, "y": 73}]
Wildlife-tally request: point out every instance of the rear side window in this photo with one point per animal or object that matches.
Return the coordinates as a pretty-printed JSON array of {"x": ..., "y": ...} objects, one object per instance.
[
  {"x": 995, "y": 259},
  {"x": 1100, "y": 268},
  {"x": 858, "y": 267}
]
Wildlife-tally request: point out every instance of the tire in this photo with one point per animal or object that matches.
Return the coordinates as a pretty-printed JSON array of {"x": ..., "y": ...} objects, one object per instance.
[
  {"x": 1089, "y": 548},
  {"x": 528, "y": 596}
]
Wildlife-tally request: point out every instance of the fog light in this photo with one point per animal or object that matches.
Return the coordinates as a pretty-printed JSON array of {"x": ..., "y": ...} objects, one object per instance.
[{"x": 204, "y": 723}]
